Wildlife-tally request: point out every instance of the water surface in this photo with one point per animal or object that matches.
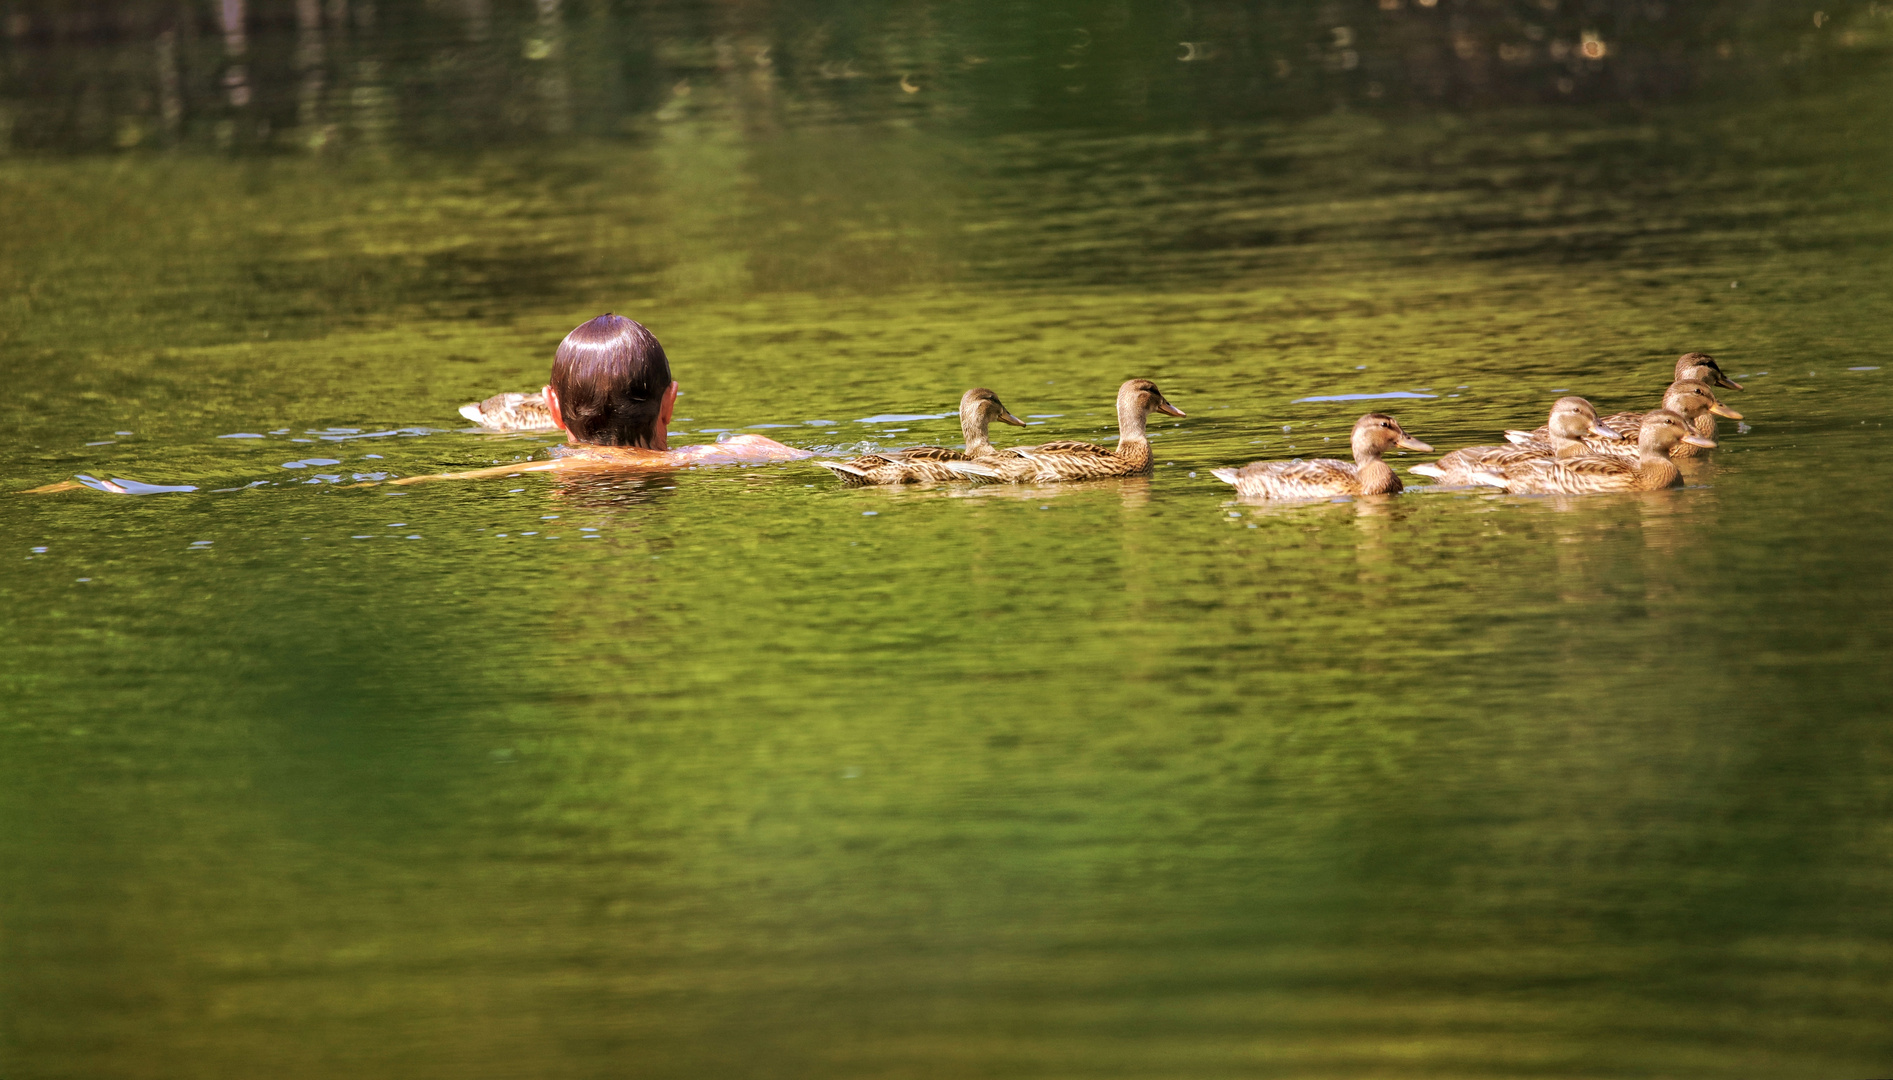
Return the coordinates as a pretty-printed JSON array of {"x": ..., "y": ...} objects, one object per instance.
[{"x": 734, "y": 772}]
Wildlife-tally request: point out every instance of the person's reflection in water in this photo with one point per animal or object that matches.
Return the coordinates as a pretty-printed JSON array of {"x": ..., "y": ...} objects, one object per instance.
[{"x": 601, "y": 490}]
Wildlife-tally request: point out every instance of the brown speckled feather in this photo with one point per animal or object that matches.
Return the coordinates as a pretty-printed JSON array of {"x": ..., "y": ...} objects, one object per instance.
[
  {"x": 912, "y": 466},
  {"x": 1458, "y": 466},
  {"x": 1086, "y": 461},
  {"x": 978, "y": 408},
  {"x": 511, "y": 412},
  {"x": 1072, "y": 460},
  {"x": 1586, "y": 475},
  {"x": 1314, "y": 478}
]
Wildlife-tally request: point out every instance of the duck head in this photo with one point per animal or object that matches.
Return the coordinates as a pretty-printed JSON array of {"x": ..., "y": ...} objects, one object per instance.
[
  {"x": 1136, "y": 399},
  {"x": 1663, "y": 429},
  {"x": 1690, "y": 398},
  {"x": 979, "y": 407},
  {"x": 1574, "y": 418},
  {"x": 1377, "y": 433},
  {"x": 1703, "y": 367}
]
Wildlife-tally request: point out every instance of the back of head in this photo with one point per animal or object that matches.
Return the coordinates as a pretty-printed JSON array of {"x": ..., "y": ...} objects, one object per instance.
[
  {"x": 610, "y": 375},
  {"x": 1694, "y": 359},
  {"x": 1138, "y": 390}
]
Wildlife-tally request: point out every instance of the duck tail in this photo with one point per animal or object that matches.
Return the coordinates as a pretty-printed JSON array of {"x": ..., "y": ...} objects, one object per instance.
[
  {"x": 1489, "y": 479},
  {"x": 472, "y": 412},
  {"x": 971, "y": 470},
  {"x": 1433, "y": 471},
  {"x": 1517, "y": 438},
  {"x": 1227, "y": 476},
  {"x": 844, "y": 471}
]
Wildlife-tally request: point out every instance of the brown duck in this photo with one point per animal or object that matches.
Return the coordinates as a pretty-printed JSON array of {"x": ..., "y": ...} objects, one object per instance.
[
  {"x": 1055, "y": 461},
  {"x": 1653, "y": 469},
  {"x": 1315, "y": 478},
  {"x": 1571, "y": 420},
  {"x": 1690, "y": 399},
  {"x": 979, "y": 407}
]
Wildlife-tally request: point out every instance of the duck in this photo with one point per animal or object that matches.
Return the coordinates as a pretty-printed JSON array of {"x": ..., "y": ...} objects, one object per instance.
[
  {"x": 1059, "y": 461},
  {"x": 1653, "y": 470},
  {"x": 1374, "y": 434},
  {"x": 979, "y": 407},
  {"x": 511, "y": 412},
  {"x": 1688, "y": 398},
  {"x": 1572, "y": 418}
]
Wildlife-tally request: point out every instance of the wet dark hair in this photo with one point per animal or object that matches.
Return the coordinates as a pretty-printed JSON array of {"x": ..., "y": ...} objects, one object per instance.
[{"x": 610, "y": 375}]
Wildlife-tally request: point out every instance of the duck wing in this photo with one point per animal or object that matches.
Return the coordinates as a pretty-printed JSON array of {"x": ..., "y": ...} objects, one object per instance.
[
  {"x": 1571, "y": 476},
  {"x": 1594, "y": 445},
  {"x": 1459, "y": 466},
  {"x": 874, "y": 469},
  {"x": 1000, "y": 465},
  {"x": 1075, "y": 461},
  {"x": 1312, "y": 478}
]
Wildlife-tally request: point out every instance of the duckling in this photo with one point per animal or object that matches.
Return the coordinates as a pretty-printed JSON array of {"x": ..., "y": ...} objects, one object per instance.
[
  {"x": 1572, "y": 418},
  {"x": 511, "y": 412},
  {"x": 1687, "y": 398},
  {"x": 1054, "y": 461},
  {"x": 1653, "y": 469},
  {"x": 1374, "y": 434},
  {"x": 979, "y": 407}
]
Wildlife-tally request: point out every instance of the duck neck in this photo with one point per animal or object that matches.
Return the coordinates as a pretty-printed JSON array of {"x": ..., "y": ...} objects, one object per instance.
[
  {"x": 1655, "y": 469},
  {"x": 1376, "y": 476},
  {"x": 1132, "y": 444},
  {"x": 973, "y": 428},
  {"x": 1564, "y": 446}
]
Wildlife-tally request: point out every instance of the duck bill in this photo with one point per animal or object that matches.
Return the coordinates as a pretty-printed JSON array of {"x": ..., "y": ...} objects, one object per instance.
[
  {"x": 1006, "y": 417},
  {"x": 1166, "y": 407},
  {"x": 1726, "y": 382},
  {"x": 1723, "y": 410},
  {"x": 1408, "y": 442},
  {"x": 1700, "y": 440},
  {"x": 1607, "y": 432}
]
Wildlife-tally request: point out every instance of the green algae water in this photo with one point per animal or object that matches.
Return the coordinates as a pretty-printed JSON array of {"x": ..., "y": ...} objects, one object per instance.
[{"x": 733, "y": 772}]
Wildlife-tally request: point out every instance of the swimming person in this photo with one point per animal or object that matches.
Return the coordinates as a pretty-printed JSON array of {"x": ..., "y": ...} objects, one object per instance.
[{"x": 612, "y": 394}]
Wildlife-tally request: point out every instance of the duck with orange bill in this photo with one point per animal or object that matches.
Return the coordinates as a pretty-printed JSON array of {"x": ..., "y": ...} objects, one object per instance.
[
  {"x": 1688, "y": 398},
  {"x": 1703, "y": 368},
  {"x": 1318, "y": 478},
  {"x": 1652, "y": 471}
]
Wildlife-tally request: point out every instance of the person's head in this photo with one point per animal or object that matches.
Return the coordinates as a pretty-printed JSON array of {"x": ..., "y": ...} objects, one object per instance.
[{"x": 611, "y": 385}]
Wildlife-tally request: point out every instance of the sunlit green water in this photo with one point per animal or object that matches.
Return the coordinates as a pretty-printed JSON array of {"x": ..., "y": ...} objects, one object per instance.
[{"x": 733, "y": 772}]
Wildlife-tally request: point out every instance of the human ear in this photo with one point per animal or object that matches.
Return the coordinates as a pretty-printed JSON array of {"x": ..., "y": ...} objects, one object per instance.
[
  {"x": 669, "y": 405},
  {"x": 552, "y": 403}
]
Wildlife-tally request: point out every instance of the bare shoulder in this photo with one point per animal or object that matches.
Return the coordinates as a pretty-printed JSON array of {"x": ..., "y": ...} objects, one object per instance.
[{"x": 743, "y": 449}]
